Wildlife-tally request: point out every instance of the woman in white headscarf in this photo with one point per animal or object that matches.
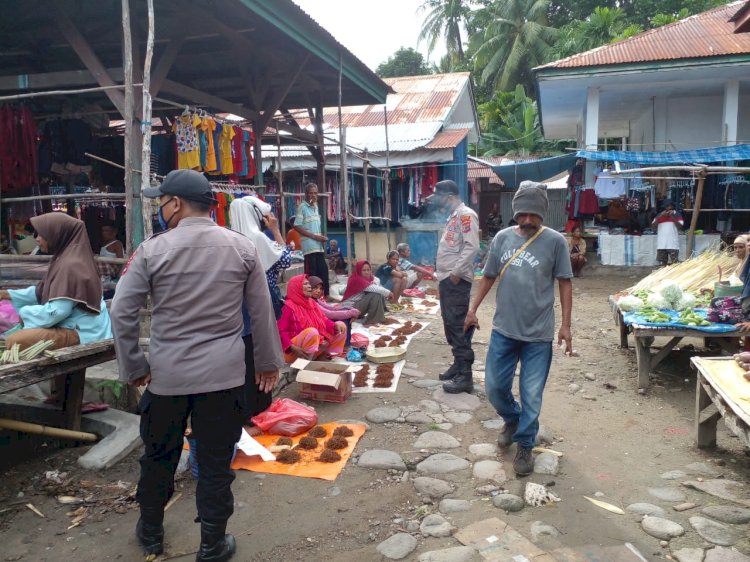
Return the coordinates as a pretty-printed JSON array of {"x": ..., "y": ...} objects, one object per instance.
[
  {"x": 249, "y": 216},
  {"x": 740, "y": 251}
]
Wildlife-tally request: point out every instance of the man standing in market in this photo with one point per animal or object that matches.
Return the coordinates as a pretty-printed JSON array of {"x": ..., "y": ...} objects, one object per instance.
[
  {"x": 667, "y": 234},
  {"x": 308, "y": 224},
  {"x": 197, "y": 275},
  {"x": 457, "y": 249},
  {"x": 525, "y": 259}
]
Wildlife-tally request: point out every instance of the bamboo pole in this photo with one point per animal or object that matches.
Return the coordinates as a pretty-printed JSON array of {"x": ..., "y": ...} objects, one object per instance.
[
  {"x": 696, "y": 212},
  {"x": 38, "y": 429},
  {"x": 367, "y": 207},
  {"x": 146, "y": 124},
  {"x": 387, "y": 211}
]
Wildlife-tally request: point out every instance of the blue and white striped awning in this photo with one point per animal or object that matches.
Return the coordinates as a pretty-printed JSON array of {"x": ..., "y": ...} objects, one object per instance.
[{"x": 683, "y": 157}]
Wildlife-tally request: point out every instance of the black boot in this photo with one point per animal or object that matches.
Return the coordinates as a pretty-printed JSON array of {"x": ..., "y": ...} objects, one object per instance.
[
  {"x": 150, "y": 530},
  {"x": 463, "y": 381},
  {"x": 216, "y": 544},
  {"x": 450, "y": 373}
]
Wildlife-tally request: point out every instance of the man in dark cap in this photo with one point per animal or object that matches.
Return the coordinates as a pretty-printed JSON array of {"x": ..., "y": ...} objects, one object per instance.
[
  {"x": 197, "y": 275},
  {"x": 667, "y": 224},
  {"x": 526, "y": 258},
  {"x": 457, "y": 249}
]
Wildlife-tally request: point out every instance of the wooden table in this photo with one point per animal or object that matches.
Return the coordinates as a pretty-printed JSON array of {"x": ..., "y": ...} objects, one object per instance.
[
  {"x": 713, "y": 402},
  {"x": 644, "y": 338},
  {"x": 619, "y": 322},
  {"x": 69, "y": 364}
]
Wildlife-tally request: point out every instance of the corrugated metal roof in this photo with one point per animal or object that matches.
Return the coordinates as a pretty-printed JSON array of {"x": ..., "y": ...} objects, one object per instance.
[
  {"x": 449, "y": 138},
  {"x": 709, "y": 34}
]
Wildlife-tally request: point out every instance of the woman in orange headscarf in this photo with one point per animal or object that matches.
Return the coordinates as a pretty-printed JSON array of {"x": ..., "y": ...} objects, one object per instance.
[{"x": 304, "y": 330}]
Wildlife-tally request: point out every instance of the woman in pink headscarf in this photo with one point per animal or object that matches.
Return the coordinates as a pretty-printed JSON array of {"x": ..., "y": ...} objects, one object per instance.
[
  {"x": 304, "y": 330},
  {"x": 365, "y": 294}
]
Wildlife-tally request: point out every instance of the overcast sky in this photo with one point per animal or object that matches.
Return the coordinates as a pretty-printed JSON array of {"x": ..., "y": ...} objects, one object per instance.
[{"x": 373, "y": 31}]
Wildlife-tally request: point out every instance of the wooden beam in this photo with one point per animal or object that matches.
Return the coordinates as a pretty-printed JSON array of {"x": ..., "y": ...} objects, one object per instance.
[
  {"x": 197, "y": 96},
  {"x": 87, "y": 56},
  {"x": 280, "y": 95},
  {"x": 165, "y": 64}
]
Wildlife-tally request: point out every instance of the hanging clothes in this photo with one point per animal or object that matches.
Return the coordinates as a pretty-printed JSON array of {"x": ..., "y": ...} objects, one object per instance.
[
  {"x": 225, "y": 149},
  {"x": 208, "y": 127},
  {"x": 188, "y": 146}
]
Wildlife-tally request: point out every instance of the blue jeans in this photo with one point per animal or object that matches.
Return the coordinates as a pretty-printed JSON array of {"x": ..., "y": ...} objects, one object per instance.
[{"x": 502, "y": 357}]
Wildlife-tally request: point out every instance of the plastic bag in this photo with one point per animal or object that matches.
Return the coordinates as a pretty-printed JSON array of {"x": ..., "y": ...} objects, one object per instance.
[
  {"x": 360, "y": 341},
  {"x": 354, "y": 356},
  {"x": 286, "y": 417},
  {"x": 416, "y": 292},
  {"x": 8, "y": 316}
]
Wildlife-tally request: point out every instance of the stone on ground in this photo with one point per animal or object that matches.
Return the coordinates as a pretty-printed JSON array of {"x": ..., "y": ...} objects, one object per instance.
[
  {"x": 380, "y": 458},
  {"x": 673, "y": 475},
  {"x": 702, "y": 469},
  {"x": 418, "y": 418},
  {"x": 508, "y": 502},
  {"x": 428, "y": 383},
  {"x": 383, "y": 414},
  {"x": 546, "y": 463},
  {"x": 667, "y": 494},
  {"x": 455, "y": 554},
  {"x": 714, "y": 532},
  {"x": 461, "y": 402},
  {"x": 436, "y": 440},
  {"x": 642, "y": 508},
  {"x": 433, "y": 487},
  {"x": 397, "y": 546},
  {"x": 435, "y": 525},
  {"x": 728, "y": 514},
  {"x": 490, "y": 470},
  {"x": 573, "y": 388},
  {"x": 487, "y": 489},
  {"x": 480, "y": 450},
  {"x": 661, "y": 528},
  {"x": 442, "y": 463},
  {"x": 454, "y": 506},
  {"x": 540, "y": 529},
  {"x": 721, "y": 554},
  {"x": 544, "y": 436},
  {"x": 688, "y": 555},
  {"x": 458, "y": 417},
  {"x": 429, "y": 406},
  {"x": 493, "y": 424}
]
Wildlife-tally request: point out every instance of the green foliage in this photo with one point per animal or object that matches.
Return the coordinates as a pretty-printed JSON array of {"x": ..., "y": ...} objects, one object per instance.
[
  {"x": 663, "y": 19},
  {"x": 404, "y": 62},
  {"x": 604, "y": 25},
  {"x": 116, "y": 387},
  {"x": 444, "y": 19}
]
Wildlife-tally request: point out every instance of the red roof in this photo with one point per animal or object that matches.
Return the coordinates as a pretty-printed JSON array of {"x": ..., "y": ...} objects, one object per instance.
[
  {"x": 709, "y": 34},
  {"x": 450, "y": 138}
]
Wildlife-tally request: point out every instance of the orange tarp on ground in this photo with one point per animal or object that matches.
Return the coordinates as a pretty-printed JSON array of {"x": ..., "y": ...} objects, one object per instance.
[{"x": 309, "y": 466}]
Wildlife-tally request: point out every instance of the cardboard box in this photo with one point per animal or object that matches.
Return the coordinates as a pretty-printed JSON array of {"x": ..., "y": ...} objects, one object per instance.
[{"x": 323, "y": 380}]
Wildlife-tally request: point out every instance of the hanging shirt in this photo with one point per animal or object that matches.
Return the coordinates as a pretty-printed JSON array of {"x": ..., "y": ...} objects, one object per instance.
[
  {"x": 208, "y": 126},
  {"x": 608, "y": 186},
  {"x": 225, "y": 149},
  {"x": 188, "y": 148},
  {"x": 667, "y": 236}
]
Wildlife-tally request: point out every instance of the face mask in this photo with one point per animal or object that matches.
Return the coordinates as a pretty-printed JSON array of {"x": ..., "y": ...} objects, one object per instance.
[{"x": 163, "y": 223}]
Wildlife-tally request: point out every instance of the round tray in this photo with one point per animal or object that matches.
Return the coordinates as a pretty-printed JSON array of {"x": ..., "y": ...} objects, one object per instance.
[{"x": 386, "y": 354}]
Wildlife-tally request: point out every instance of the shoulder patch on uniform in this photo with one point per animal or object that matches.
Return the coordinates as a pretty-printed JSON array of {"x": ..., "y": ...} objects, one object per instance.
[
  {"x": 465, "y": 223},
  {"x": 127, "y": 263}
]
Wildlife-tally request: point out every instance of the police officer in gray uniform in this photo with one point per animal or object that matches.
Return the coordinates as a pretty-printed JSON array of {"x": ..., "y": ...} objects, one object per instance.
[
  {"x": 197, "y": 275},
  {"x": 457, "y": 249}
]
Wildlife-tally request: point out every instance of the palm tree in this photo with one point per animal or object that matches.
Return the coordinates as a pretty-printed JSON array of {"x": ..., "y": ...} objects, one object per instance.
[
  {"x": 603, "y": 26},
  {"x": 444, "y": 20},
  {"x": 515, "y": 40}
]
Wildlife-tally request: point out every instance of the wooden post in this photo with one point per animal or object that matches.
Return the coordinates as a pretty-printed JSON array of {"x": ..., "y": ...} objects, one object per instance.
[
  {"x": 146, "y": 125},
  {"x": 282, "y": 201},
  {"x": 368, "y": 213},
  {"x": 127, "y": 55},
  {"x": 696, "y": 212},
  {"x": 387, "y": 211},
  {"x": 345, "y": 187}
]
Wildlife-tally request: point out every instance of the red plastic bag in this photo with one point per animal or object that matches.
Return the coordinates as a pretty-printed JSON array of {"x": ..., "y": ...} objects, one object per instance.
[
  {"x": 360, "y": 341},
  {"x": 286, "y": 417},
  {"x": 429, "y": 277},
  {"x": 416, "y": 292}
]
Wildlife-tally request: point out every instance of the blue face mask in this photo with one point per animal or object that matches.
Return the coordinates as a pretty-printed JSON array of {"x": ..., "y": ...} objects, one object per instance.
[{"x": 163, "y": 223}]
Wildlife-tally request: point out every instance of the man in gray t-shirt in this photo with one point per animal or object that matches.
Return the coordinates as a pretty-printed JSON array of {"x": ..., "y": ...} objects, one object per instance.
[{"x": 527, "y": 258}]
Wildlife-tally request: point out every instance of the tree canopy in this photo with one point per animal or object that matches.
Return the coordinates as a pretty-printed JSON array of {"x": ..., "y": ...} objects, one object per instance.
[{"x": 404, "y": 62}]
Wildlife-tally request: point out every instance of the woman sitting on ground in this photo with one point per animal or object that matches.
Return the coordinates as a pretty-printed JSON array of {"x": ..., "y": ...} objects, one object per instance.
[
  {"x": 740, "y": 252},
  {"x": 67, "y": 305},
  {"x": 304, "y": 330},
  {"x": 365, "y": 294},
  {"x": 391, "y": 277},
  {"x": 335, "y": 312},
  {"x": 577, "y": 247}
]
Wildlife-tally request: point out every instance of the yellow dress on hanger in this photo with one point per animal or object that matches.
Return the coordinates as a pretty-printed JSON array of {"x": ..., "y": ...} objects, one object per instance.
[
  {"x": 188, "y": 148},
  {"x": 225, "y": 149}
]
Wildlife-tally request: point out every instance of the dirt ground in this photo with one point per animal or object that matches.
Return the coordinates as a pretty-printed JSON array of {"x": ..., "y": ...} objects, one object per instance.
[{"x": 614, "y": 441}]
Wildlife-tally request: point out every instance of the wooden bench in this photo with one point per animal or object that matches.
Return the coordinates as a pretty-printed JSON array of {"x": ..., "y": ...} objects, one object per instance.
[
  {"x": 69, "y": 364},
  {"x": 713, "y": 402}
]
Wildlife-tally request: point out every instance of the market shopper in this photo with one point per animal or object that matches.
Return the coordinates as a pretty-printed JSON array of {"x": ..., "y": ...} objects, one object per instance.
[
  {"x": 525, "y": 259},
  {"x": 577, "y": 248},
  {"x": 197, "y": 275},
  {"x": 364, "y": 292},
  {"x": 667, "y": 234},
  {"x": 457, "y": 249},
  {"x": 308, "y": 224},
  {"x": 415, "y": 273},
  {"x": 391, "y": 277},
  {"x": 740, "y": 252}
]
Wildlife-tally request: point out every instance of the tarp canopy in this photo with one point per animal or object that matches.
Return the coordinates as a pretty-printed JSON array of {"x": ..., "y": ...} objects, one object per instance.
[
  {"x": 534, "y": 170},
  {"x": 696, "y": 156}
]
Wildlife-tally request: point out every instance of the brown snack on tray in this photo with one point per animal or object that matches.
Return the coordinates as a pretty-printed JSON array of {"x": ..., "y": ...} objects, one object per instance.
[
  {"x": 308, "y": 443},
  {"x": 386, "y": 338},
  {"x": 360, "y": 380},
  {"x": 388, "y": 368},
  {"x": 337, "y": 442},
  {"x": 317, "y": 432},
  {"x": 389, "y": 321},
  {"x": 343, "y": 431},
  {"x": 281, "y": 441},
  {"x": 329, "y": 455},
  {"x": 383, "y": 381},
  {"x": 432, "y": 292},
  {"x": 379, "y": 343},
  {"x": 288, "y": 456}
]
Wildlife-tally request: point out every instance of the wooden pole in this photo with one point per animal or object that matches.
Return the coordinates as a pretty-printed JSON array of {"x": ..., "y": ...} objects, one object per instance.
[
  {"x": 282, "y": 201},
  {"x": 38, "y": 429},
  {"x": 127, "y": 55},
  {"x": 696, "y": 212},
  {"x": 146, "y": 124},
  {"x": 387, "y": 188},
  {"x": 368, "y": 212},
  {"x": 345, "y": 188}
]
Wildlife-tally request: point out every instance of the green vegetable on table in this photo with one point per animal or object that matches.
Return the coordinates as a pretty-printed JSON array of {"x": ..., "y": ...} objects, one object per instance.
[{"x": 691, "y": 318}]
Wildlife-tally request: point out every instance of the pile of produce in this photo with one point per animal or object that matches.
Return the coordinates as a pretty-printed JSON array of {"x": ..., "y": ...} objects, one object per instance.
[
  {"x": 668, "y": 296},
  {"x": 15, "y": 355},
  {"x": 700, "y": 272},
  {"x": 743, "y": 360}
]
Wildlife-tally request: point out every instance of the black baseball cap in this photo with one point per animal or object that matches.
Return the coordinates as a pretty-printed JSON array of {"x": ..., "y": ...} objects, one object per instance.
[
  {"x": 187, "y": 184},
  {"x": 443, "y": 188}
]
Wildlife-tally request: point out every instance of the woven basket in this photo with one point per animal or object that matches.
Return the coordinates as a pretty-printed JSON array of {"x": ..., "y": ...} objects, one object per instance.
[{"x": 386, "y": 354}]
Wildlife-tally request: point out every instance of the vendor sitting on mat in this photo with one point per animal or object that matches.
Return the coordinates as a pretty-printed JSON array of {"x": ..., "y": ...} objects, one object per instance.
[
  {"x": 365, "y": 294},
  {"x": 740, "y": 252},
  {"x": 335, "y": 312},
  {"x": 67, "y": 305},
  {"x": 305, "y": 331},
  {"x": 391, "y": 277},
  {"x": 415, "y": 273}
]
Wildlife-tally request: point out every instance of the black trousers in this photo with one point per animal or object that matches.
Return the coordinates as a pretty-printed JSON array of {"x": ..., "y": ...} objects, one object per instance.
[
  {"x": 316, "y": 264},
  {"x": 217, "y": 425},
  {"x": 454, "y": 304},
  {"x": 255, "y": 400}
]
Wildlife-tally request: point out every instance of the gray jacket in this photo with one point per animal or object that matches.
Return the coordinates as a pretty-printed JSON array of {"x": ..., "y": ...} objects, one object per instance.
[
  {"x": 458, "y": 245},
  {"x": 197, "y": 275}
]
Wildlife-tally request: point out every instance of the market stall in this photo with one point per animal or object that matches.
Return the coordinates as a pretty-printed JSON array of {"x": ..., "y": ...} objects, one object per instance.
[{"x": 632, "y": 250}]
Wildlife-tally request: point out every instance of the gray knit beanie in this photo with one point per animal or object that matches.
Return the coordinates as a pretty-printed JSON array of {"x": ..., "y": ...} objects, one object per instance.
[{"x": 531, "y": 198}]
